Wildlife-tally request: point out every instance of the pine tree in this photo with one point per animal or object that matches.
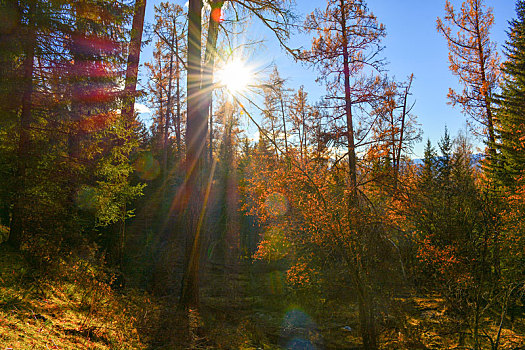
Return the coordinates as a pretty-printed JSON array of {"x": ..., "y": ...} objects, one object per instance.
[
  {"x": 299, "y": 113},
  {"x": 347, "y": 48},
  {"x": 511, "y": 102},
  {"x": 71, "y": 61},
  {"x": 346, "y": 52}
]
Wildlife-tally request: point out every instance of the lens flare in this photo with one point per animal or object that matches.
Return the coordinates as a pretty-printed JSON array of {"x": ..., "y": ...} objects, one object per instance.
[
  {"x": 235, "y": 76},
  {"x": 276, "y": 204},
  {"x": 299, "y": 331},
  {"x": 147, "y": 167}
]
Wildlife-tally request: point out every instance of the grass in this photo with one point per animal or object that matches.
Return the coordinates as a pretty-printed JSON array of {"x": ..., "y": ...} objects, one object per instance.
[{"x": 61, "y": 312}]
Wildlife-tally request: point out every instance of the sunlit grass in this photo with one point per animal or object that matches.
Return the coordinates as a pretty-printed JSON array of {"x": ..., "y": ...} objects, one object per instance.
[{"x": 60, "y": 312}]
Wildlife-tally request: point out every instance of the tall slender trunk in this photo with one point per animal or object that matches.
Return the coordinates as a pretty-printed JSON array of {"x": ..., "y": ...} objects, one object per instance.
[
  {"x": 402, "y": 131},
  {"x": 352, "y": 164},
  {"x": 162, "y": 115},
  {"x": 178, "y": 115},
  {"x": 303, "y": 147},
  {"x": 284, "y": 125},
  {"x": 209, "y": 61},
  {"x": 17, "y": 227},
  {"x": 79, "y": 79},
  {"x": 168, "y": 108},
  {"x": 365, "y": 300},
  {"x": 485, "y": 92},
  {"x": 300, "y": 134},
  {"x": 393, "y": 140},
  {"x": 162, "y": 120},
  {"x": 211, "y": 131},
  {"x": 195, "y": 145},
  {"x": 272, "y": 124},
  {"x": 132, "y": 70}
]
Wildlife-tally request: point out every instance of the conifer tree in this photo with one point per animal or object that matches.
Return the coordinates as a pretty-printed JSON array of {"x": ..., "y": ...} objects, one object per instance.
[
  {"x": 347, "y": 47},
  {"x": 474, "y": 60},
  {"x": 346, "y": 52},
  {"x": 511, "y": 102}
]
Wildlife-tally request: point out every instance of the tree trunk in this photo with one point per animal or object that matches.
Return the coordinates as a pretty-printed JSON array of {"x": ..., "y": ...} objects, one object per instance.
[
  {"x": 402, "y": 131},
  {"x": 195, "y": 145},
  {"x": 167, "y": 117},
  {"x": 178, "y": 116},
  {"x": 484, "y": 92},
  {"x": 78, "y": 80},
  {"x": 348, "y": 108},
  {"x": 132, "y": 71},
  {"x": 17, "y": 227},
  {"x": 367, "y": 322},
  {"x": 209, "y": 63},
  {"x": 284, "y": 124},
  {"x": 365, "y": 303},
  {"x": 303, "y": 156},
  {"x": 211, "y": 131},
  {"x": 168, "y": 108}
]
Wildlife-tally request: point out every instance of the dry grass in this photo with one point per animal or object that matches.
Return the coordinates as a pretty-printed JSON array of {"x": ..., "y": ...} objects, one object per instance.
[{"x": 58, "y": 313}]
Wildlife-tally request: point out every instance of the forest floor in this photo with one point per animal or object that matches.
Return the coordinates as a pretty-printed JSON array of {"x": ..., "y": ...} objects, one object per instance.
[
  {"x": 249, "y": 306},
  {"x": 68, "y": 309},
  {"x": 246, "y": 306}
]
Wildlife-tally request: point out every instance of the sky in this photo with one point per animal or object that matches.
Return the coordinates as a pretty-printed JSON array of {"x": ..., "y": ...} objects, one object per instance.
[{"x": 412, "y": 45}]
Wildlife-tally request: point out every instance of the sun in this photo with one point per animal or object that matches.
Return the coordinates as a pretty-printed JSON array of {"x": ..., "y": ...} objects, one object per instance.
[{"x": 235, "y": 75}]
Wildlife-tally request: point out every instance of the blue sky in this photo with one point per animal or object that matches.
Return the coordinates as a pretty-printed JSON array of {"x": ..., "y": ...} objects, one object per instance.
[{"x": 412, "y": 46}]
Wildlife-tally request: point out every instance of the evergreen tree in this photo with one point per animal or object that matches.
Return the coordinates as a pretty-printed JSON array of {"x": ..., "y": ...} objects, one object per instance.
[{"x": 511, "y": 111}]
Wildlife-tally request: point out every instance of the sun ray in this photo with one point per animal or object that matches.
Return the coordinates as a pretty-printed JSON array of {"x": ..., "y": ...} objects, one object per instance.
[{"x": 235, "y": 75}]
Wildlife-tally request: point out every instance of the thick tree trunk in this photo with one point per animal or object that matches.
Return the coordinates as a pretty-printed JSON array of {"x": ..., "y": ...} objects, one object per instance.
[
  {"x": 195, "y": 145},
  {"x": 17, "y": 227},
  {"x": 199, "y": 101},
  {"x": 132, "y": 71},
  {"x": 367, "y": 321},
  {"x": 209, "y": 64}
]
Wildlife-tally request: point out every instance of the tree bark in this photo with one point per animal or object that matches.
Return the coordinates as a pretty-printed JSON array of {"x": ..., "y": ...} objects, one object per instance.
[
  {"x": 365, "y": 303},
  {"x": 195, "y": 145},
  {"x": 132, "y": 71},
  {"x": 284, "y": 124},
  {"x": 352, "y": 164},
  {"x": 209, "y": 64},
  {"x": 211, "y": 131},
  {"x": 178, "y": 116},
  {"x": 168, "y": 107}
]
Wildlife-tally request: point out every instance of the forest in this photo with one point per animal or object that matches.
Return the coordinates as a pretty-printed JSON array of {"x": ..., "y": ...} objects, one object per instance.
[{"x": 180, "y": 229}]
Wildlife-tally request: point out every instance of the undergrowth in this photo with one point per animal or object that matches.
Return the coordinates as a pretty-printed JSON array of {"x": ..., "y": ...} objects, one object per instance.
[{"x": 71, "y": 305}]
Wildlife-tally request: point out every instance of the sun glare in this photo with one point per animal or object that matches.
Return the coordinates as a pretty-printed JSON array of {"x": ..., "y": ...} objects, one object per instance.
[{"x": 235, "y": 76}]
